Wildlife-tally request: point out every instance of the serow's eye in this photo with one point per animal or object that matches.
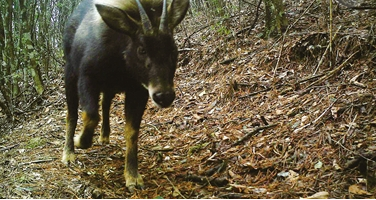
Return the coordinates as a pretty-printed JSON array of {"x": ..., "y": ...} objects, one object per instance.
[{"x": 141, "y": 50}]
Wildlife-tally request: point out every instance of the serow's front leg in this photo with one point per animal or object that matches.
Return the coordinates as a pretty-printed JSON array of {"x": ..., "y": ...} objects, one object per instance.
[
  {"x": 135, "y": 103},
  {"x": 104, "y": 138}
]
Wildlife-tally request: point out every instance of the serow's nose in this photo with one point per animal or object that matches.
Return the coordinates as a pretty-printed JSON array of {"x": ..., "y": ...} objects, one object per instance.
[{"x": 164, "y": 99}]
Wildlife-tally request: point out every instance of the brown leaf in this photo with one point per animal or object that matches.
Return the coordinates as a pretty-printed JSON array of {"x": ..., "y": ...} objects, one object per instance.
[
  {"x": 356, "y": 189},
  {"x": 233, "y": 175},
  {"x": 319, "y": 195}
]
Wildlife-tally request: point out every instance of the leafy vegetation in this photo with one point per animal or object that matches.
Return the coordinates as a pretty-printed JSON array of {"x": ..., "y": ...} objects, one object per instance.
[{"x": 30, "y": 52}]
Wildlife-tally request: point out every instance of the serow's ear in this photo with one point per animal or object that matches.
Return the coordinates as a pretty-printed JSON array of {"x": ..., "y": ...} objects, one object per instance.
[
  {"x": 117, "y": 19},
  {"x": 176, "y": 12}
]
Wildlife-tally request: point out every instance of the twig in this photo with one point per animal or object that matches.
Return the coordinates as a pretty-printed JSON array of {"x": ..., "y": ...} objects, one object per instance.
[
  {"x": 8, "y": 147},
  {"x": 37, "y": 161},
  {"x": 363, "y": 8},
  {"x": 234, "y": 196},
  {"x": 284, "y": 36},
  {"x": 317, "y": 119},
  {"x": 326, "y": 110},
  {"x": 210, "y": 24},
  {"x": 334, "y": 71},
  {"x": 369, "y": 156},
  {"x": 257, "y": 16},
  {"x": 349, "y": 6},
  {"x": 154, "y": 127},
  {"x": 211, "y": 158},
  {"x": 156, "y": 183},
  {"x": 311, "y": 77},
  {"x": 254, "y": 21},
  {"x": 228, "y": 61},
  {"x": 218, "y": 168},
  {"x": 156, "y": 149},
  {"x": 200, "y": 29},
  {"x": 303, "y": 33},
  {"x": 175, "y": 188},
  {"x": 254, "y": 93},
  {"x": 252, "y": 133},
  {"x": 214, "y": 181},
  {"x": 354, "y": 81},
  {"x": 187, "y": 49},
  {"x": 348, "y": 134},
  {"x": 331, "y": 34},
  {"x": 326, "y": 51}
]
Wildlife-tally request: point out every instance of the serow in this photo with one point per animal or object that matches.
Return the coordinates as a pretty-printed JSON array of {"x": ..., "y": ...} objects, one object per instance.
[{"x": 113, "y": 46}]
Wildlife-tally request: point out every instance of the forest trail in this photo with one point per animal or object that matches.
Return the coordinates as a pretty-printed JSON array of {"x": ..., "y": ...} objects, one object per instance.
[{"x": 253, "y": 118}]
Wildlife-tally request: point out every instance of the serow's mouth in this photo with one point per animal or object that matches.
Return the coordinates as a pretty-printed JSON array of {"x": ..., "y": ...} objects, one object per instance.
[{"x": 161, "y": 97}]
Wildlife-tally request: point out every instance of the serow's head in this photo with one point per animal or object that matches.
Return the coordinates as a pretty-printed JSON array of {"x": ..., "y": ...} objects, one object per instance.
[{"x": 152, "y": 54}]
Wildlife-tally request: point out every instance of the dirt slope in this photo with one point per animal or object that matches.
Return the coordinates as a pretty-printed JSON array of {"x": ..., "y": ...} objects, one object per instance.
[{"x": 253, "y": 118}]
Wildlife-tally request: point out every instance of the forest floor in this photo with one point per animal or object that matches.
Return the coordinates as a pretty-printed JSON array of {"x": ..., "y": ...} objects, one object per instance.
[{"x": 253, "y": 118}]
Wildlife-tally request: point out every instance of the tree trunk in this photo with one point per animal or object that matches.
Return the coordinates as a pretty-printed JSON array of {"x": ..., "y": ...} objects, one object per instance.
[
  {"x": 275, "y": 19},
  {"x": 10, "y": 58},
  {"x": 31, "y": 53}
]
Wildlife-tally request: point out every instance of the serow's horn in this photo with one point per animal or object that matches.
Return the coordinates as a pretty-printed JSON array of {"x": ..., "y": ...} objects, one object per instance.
[
  {"x": 163, "y": 26},
  {"x": 146, "y": 24}
]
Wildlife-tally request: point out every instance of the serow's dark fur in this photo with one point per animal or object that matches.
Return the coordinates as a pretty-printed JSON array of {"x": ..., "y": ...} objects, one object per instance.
[{"x": 108, "y": 50}]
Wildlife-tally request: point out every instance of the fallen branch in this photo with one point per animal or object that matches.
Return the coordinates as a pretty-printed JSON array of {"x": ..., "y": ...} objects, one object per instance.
[
  {"x": 249, "y": 28},
  {"x": 334, "y": 71},
  {"x": 349, "y": 6},
  {"x": 159, "y": 148},
  {"x": 255, "y": 93},
  {"x": 200, "y": 29},
  {"x": 317, "y": 119},
  {"x": 368, "y": 156},
  {"x": 175, "y": 188},
  {"x": 311, "y": 77},
  {"x": 8, "y": 147},
  {"x": 354, "y": 81},
  {"x": 228, "y": 61},
  {"x": 187, "y": 49},
  {"x": 219, "y": 168},
  {"x": 284, "y": 37},
  {"x": 326, "y": 50},
  {"x": 234, "y": 196},
  {"x": 154, "y": 127},
  {"x": 216, "y": 181},
  {"x": 37, "y": 161},
  {"x": 326, "y": 110},
  {"x": 256, "y": 130},
  {"x": 210, "y": 24}
]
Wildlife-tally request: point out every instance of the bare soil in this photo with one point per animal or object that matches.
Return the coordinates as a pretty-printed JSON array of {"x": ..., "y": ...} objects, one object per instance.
[{"x": 253, "y": 118}]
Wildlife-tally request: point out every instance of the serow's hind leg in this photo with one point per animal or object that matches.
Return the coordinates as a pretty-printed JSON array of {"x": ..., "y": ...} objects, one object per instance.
[
  {"x": 134, "y": 108},
  {"x": 71, "y": 119},
  {"x": 89, "y": 98}
]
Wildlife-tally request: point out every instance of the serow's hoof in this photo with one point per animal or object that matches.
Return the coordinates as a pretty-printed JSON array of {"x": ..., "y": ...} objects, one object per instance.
[
  {"x": 68, "y": 157},
  {"x": 134, "y": 183},
  {"x": 104, "y": 140},
  {"x": 80, "y": 143}
]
